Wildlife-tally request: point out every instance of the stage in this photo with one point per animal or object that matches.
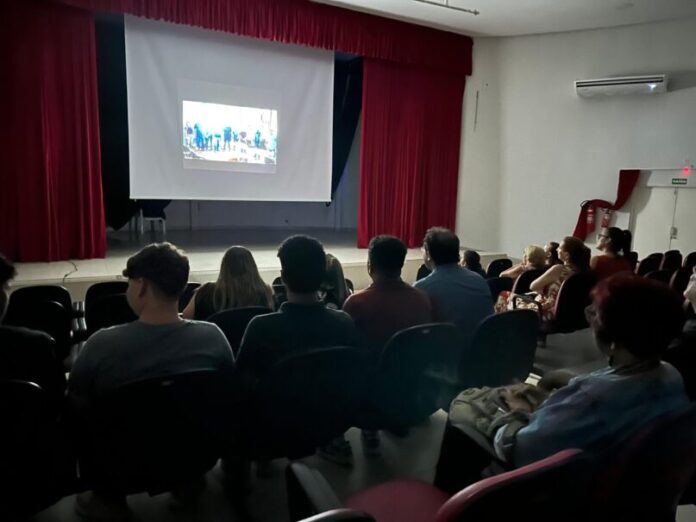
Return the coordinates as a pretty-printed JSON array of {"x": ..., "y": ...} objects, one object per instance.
[{"x": 205, "y": 249}]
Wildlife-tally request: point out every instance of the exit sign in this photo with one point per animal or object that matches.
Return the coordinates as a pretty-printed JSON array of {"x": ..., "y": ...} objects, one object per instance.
[{"x": 679, "y": 181}]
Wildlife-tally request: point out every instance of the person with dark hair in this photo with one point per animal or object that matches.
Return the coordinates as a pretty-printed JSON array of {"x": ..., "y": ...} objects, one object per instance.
[
  {"x": 551, "y": 250},
  {"x": 389, "y": 304},
  {"x": 471, "y": 260},
  {"x": 612, "y": 242},
  {"x": 159, "y": 342},
  {"x": 635, "y": 321},
  {"x": 25, "y": 354},
  {"x": 458, "y": 295},
  {"x": 301, "y": 325}
]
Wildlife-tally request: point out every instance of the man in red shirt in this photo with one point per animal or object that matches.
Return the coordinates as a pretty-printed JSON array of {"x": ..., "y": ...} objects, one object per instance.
[{"x": 388, "y": 304}]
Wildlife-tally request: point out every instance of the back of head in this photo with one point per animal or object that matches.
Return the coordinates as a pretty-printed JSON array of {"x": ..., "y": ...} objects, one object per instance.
[
  {"x": 472, "y": 259},
  {"x": 334, "y": 282},
  {"x": 442, "y": 245},
  {"x": 627, "y": 242},
  {"x": 163, "y": 266},
  {"x": 386, "y": 255},
  {"x": 535, "y": 256},
  {"x": 641, "y": 315},
  {"x": 239, "y": 282},
  {"x": 578, "y": 254},
  {"x": 303, "y": 262},
  {"x": 7, "y": 273},
  {"x": 552, "y": 253}
]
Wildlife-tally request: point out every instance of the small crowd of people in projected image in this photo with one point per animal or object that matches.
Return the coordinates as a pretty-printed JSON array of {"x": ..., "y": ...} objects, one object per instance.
[{"x": 229, "y": 144}]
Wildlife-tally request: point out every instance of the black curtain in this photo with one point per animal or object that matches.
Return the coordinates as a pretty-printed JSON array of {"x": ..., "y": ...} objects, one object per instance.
[{"x": 347, "y": 103}]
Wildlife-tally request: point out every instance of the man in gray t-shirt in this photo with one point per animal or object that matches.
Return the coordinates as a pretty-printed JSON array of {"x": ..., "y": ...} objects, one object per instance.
[{"x": 159, "y": 343}]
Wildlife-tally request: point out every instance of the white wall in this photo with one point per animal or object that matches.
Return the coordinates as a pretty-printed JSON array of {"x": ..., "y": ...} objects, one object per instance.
[
  {"x": 555, "y": 149},
  {"x": 341, "y": 214}
]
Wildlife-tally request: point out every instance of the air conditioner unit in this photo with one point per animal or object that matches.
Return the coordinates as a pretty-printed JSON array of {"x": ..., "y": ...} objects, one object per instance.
[{"x": 622, "y": 86}]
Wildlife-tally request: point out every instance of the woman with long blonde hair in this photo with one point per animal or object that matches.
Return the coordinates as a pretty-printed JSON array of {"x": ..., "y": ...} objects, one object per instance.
[{"x": 238, "y": 284}]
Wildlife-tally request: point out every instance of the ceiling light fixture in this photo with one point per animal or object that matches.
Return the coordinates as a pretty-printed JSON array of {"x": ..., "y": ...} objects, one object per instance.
[{"x": 448, "y": 5}]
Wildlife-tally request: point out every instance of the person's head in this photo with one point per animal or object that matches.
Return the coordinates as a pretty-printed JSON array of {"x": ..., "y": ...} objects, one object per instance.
[
  {"x": 613, "y": 241},
  {"x": 551, "y": 251},
  {"x": 573, "y": 252},
  {"x": 156, "y": 275},
  {"x": 303, "y": 264},
  {"x": 534, "y": 256},
  {"x": 636, "y": 314},
  {"x": 239, "y": 282},
  {"x": 471, "y": 259},
  {"x": 690, "y": 292},
  {"x": 334, "y": 283},
  {"x": 385, "y": 257},
  {"x": 7, "y": 273},
  {"x": 440, "y": 247}
]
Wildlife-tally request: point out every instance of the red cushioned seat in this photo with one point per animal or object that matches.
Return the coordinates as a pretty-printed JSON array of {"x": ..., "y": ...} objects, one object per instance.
[{"x": 400, "y": 501}]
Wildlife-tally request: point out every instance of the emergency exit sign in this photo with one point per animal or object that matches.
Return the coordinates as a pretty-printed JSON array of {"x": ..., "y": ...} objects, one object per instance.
[{"x": 679, "y": 181}]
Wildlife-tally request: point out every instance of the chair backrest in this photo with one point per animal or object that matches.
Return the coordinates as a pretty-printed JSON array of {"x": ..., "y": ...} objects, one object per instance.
[
  {"x": 233, "y": 322},
  {"x": 305, "y": 401},
  {"x": 108, "y": 310},
  {"x": 497, "y": 266},
  {"x": 350, "y": 285},
  {"x": 423, "y": 272},
  {"x": 649, "y": 264},
  {"x": 30, "y": 294},
  {"x": 643, "y": 477},
  {"x": 690, "y": 260},
  {"x": 525, "y": 279},
  {"x": 186, "y": 296},
  {"x": 499, "y": 284},
  {"x": 103, "y": 288},
  {"x": 502, "y": 351},
  {"x": 573, "y": 297},
  {"x": 44, "y": 315},
  {"x": 680, "y": 280},
  {"x": 413, "y": 366},
  {"x": 664, "y": 276},
  {"x": 549, "y": 489},
  {"x": 671, "y": 261},
  {"x": 154, "y": 434}
]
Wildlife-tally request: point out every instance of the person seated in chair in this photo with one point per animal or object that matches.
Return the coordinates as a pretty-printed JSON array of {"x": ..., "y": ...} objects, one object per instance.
[
  {"x": 25, "y": 354},
  {"x": 159, "y": 342},
  {"x": 458, "y": 295},
  {"x": 533, "y": 258},
  {"x": 472, "y": 260},
  {"x": 302, "y": 324},
  {"x": 635, "y": 321},
  {"x": 615, "y": 245}
]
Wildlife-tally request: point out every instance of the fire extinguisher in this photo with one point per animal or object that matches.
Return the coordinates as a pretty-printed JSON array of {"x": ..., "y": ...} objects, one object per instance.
[
  {"x": 590, "y": 217},
  {"x": 606, "y": 218}
]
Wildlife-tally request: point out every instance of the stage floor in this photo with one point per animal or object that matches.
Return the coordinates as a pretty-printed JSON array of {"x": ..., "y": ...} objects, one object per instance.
[{"x": 205, "y": 249}]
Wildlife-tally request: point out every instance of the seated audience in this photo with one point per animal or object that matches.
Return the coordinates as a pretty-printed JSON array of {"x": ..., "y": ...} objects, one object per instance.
[
  {"x": 682, "y": 353},
  {"x": 575, "y": 257},
  {"x": 302, "y": 324},
  {"x": 533, "y": 258},
  {"x": 25, "y": 354},
  {"x": 239, "y": 284},
  {"x": 472, "y": 261},
  {"x": 615, "y": 245},
  {"x": 389, "y": 304},
  {"x": 635, "y": 321},
  {"x": 159, "y": 342},
  {"x": 551, "y": 251},
  {"x": 334, "y": 291},
  {"x": 458, "y": 295}
]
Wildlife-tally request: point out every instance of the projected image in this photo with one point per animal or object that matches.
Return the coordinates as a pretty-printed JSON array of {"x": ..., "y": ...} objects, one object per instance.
[{"x": 229, "y": 133}]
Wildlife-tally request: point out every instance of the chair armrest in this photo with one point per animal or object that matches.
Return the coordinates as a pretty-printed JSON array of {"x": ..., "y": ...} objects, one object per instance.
[
  {"x": 308, "y": 492},
  {"x": 78, "y": 309}
]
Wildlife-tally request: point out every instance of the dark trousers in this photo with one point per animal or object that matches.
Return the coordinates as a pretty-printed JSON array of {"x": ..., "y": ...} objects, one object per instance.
[{"x": 461, "y": 461}]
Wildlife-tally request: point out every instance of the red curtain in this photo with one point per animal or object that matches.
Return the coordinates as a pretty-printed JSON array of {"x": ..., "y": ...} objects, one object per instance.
[
  {"x": 308, "y": 23},
  {"x": 51, "y": 199},
  {"x": 410, "y": 150},
  {"x": 627, "y": 182}
]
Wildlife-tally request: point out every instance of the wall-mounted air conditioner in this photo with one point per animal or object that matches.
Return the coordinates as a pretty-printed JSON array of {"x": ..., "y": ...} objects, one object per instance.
[{"x": 621, "y": 86}]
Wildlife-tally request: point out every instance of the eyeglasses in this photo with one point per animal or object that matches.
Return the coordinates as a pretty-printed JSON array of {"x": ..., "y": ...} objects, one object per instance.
[{"x": 602, "y": 235}]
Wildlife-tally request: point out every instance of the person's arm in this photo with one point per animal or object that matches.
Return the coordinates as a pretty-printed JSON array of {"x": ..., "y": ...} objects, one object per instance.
[
  {"x": 593, "y": 262},
  {"x": 513, "y": 271},
  {"x": 548, "y": 277},
  {"x": 190, "y": 310}
]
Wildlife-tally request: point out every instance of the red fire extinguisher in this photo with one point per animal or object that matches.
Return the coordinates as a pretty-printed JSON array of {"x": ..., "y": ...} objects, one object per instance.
[
  {"x": 590, "y": 217},
  {"x": 606, "y": 218}
]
